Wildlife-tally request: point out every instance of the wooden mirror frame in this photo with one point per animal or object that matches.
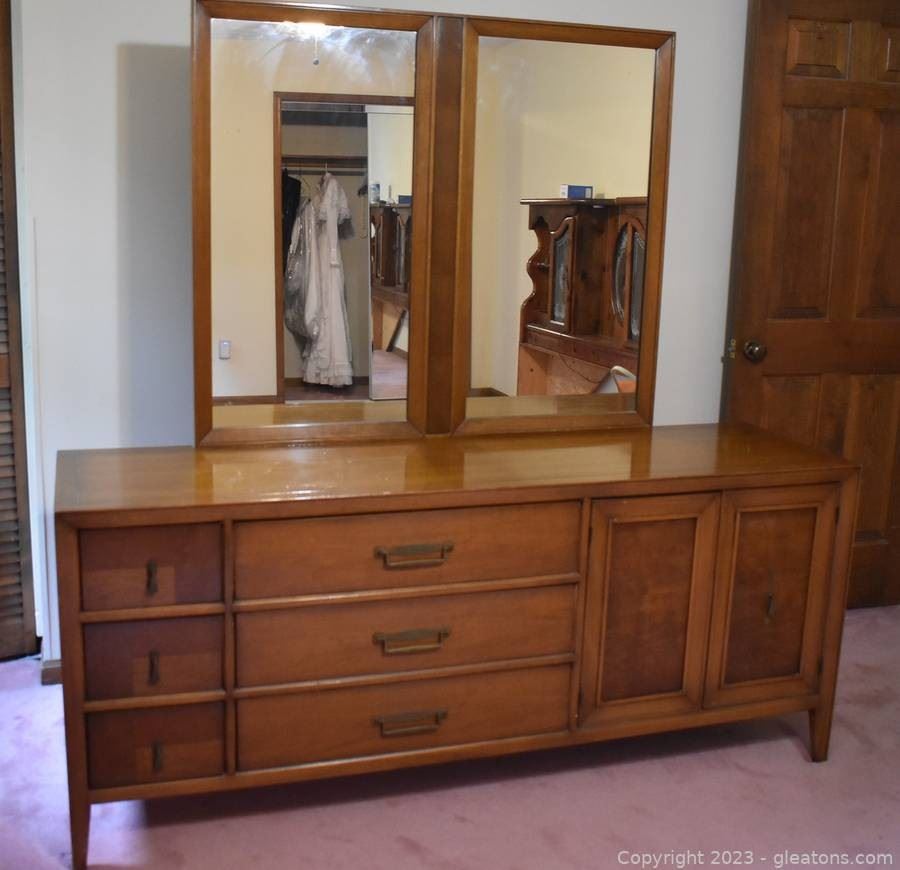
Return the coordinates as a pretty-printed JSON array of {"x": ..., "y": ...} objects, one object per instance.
[
  {"x": 443, "y": 177},
  {"x": 555, "y": 413}
]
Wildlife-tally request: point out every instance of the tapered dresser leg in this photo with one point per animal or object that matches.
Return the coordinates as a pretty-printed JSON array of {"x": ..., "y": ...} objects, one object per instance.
[
  {"x": 80, "y": 822},
  {"x": 820, "y": 718},
  {"x": 819, "y": 733}
]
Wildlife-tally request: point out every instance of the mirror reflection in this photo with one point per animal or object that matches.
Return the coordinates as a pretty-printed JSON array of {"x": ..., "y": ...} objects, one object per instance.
[
  {"x": 562, "y": 157},
  {"x": 311, "y": 212}
]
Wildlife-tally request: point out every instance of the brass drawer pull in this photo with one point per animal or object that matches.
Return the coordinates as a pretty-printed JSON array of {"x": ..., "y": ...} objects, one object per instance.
[
  {"x": 415, "y": 641},
  {"x": 157, "y": 757},
  {"x": 403, "y": 724},
  {"x": 152, "y": 578},
  {"x": 153, "y": 675},
  {"x": 414, "y": 555}
]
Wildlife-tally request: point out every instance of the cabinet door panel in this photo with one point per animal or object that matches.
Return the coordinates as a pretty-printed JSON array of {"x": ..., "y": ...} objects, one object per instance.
[
  {"x": 649, "y": 589},
  {"x": 772, "y": 573}
]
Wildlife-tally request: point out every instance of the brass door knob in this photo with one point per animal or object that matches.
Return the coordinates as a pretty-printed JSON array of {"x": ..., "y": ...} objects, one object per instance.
[{"x": 755, "y": 351}]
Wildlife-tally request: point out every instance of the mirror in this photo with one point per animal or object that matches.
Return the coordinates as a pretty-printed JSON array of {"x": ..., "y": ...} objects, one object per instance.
[
  {"x": 559, "y": 226},
  {"x": 412, "y": 224},
  {"x": 311, "y": 155}
]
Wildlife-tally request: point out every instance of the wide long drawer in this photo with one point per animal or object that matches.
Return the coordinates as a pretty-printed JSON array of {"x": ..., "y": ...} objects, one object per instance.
[
  {"x": 295, "y": 557},
  {"x": 284, "y": 730},
  {"x": 150, "y": 566},
  {"x": 156, "y": 745},
  {"x": 310, "y": 643},
  {"x": 153, "y": 657}
]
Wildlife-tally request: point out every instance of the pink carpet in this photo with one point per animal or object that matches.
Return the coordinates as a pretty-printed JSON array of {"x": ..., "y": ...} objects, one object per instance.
[{"x": 747, "y": 786}]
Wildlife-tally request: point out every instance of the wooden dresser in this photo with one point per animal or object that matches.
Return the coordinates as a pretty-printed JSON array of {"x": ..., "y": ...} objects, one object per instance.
[
  {"x": 236, "y": 618},
  {"x": 584, "y": 313}
]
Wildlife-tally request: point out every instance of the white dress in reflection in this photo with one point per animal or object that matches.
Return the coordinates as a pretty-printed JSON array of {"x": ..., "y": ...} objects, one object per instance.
[
  {"x": 316, "y": 308},
  {"x": 302, "y": 285}
]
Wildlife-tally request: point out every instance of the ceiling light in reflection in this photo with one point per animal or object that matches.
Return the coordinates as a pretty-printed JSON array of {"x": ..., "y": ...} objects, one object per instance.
[
  {"x": 301, "y": 30},
  {"x": 305, "y": 29}
]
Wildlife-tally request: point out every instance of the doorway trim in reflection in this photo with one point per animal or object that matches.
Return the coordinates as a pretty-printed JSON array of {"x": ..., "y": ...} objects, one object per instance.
[{"x": 280, "y": 98}]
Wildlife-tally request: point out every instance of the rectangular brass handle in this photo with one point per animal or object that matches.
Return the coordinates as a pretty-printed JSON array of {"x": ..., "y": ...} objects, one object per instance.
[
  {"x": 414, "y": 555},
  {"x": 157, "y": 757},
  {"x": 416, "y": 640},
  {"x": 153, "y": 675},
  {"x": 152, "y": 578},
  {"x": 403, "y": 724}
]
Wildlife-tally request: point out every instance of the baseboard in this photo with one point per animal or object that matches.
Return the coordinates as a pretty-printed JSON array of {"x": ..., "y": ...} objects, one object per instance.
[
  {"x": 51, "y": 672},
  {"x": 299, "y": 382},
  {"x": 245, "y": 400},
  {"x": 482, "y": 392}
]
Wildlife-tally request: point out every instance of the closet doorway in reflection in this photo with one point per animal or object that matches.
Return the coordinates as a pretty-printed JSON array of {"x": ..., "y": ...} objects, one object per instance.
[{"x": 345, "y": 178}]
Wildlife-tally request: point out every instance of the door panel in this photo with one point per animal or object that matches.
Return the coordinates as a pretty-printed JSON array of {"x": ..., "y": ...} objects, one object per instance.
[
  {"x": 816, "y": 270},
  {"x": 818, "y": 48},
  {"x": 878, "y": 291},
  {"x": 774, "y": 553},
  {"x": 804, "y": 238},
  {"x": 771, "y": 645},
  {"x": 649, "y": 589}
]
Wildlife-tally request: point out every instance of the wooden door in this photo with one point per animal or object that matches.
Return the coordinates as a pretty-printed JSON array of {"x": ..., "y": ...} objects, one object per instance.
[
  {"x": 650, "y": 581},
  {"x": 17, "y": 633},
  {"x": 815, "y": 324},
  {"x": 772, "y": 573}
]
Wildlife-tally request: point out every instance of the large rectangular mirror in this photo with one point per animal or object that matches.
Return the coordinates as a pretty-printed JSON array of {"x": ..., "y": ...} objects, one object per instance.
[
  {"x": 559, "y": 226},
  {"x": 310, "y": 186}
]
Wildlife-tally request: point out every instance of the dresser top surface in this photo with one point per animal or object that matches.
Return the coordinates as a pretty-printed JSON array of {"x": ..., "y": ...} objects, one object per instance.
[{"x": 185, "y": 477}]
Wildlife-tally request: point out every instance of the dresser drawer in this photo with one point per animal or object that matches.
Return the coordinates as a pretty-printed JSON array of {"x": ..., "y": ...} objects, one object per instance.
[
  {"x": 158, "y": 745},
  {"x": 373, "y": 720},
  {"x": 309, "y": 643},
  {"x": 153, "y": 657},
  {"x": 294, "y": 557},
  {"x": 150, "y": 566}
]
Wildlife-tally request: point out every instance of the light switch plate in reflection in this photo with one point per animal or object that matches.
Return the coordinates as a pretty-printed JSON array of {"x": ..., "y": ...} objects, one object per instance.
[{"x": 224, "y": 349}]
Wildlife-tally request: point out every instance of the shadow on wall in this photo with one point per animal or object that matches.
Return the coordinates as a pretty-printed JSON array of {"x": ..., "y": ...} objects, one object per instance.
[{"x": 155, "y": 293}]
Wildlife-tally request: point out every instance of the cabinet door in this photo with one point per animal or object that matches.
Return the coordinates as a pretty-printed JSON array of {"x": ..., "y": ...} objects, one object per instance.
[
  {"x": 649, "y": 590},
  {"x": 772, "y": 574}
]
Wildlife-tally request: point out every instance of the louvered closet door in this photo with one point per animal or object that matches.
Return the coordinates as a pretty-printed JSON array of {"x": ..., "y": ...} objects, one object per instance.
[
  {"x": 17, "y": 634},
  {"x": 816, "y": 278}
]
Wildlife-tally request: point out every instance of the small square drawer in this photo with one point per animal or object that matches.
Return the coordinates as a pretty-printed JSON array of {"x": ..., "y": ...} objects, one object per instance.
[
  {"x": 372, "y": 720},
  {"x": 374, "y": 551},
  {"x": 150, "y": 566},
  {"x": 153, "y": 657},
  {"x": 131, "y": 747},
  {"x": 308, "y": 643}
]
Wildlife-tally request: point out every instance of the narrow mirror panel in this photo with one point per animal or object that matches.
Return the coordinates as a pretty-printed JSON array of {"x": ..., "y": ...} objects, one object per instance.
[
  {"x": 562, "y": 157},
  {"x": 311, "y": 203}
]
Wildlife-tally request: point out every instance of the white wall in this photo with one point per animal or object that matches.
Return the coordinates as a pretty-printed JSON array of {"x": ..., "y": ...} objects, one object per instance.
[
  {"x": 390, "y": 132},
  {"x": 105, "y": 233},
  {"x": 105, "y": 216}
]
